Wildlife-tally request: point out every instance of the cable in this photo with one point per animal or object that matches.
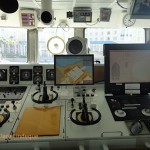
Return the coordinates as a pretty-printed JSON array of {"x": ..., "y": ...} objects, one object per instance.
[
  {"x": 93, "y": 23},
  {"x": 120, "y": 5}
]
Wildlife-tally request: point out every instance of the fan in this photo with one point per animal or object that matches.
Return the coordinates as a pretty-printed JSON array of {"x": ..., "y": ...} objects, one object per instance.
[
  {"x": 56, "y": 45},
  {"x": 77, "y": 45}
]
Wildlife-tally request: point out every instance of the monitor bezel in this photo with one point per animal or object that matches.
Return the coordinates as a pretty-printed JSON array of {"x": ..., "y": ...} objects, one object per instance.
[
  {"x": 116, "y": 88},
  {"x": 56, "y": 56}
]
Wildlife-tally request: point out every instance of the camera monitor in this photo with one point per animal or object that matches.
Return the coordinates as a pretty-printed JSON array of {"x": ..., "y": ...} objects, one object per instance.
[{"x": 74, "y": 69}]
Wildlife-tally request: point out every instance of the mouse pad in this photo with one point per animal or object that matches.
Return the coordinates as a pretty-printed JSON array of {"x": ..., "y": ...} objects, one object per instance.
[{"x": 40, "y": 121}]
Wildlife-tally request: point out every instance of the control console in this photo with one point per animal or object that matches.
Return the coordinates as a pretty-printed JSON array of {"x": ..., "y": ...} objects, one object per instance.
[{"x": 12, "y": 99}]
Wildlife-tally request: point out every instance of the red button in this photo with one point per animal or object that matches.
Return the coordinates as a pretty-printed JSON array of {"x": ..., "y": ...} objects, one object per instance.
[{"x": 7, "y": 106}]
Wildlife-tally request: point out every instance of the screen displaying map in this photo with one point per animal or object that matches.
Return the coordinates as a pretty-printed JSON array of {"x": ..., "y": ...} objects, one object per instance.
[
  {"x": 74, "y": 69},
  {"x": 129, "y": 66}
]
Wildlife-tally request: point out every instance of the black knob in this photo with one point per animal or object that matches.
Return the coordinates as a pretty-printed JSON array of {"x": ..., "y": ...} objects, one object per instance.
[
  {"x": 38, "y": 86},
  {"x": 51, "y": 88},
  {"x": 72, "y": 104},
  {"x": 4, "y": 95},
  {"x": 93, "y": 90},
  {"x": 13, "y": 102},
  {"x": 14, "y": 106},
  {"x": 80, "y": 106}
]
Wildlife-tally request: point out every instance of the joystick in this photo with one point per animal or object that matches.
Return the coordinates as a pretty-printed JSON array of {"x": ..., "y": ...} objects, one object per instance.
[
  {"x": 46, "y": 98},
  {"x": 84, "y": 117},
  {"x": 45, "y": 95},
  {"x": 14, "y": 106}
]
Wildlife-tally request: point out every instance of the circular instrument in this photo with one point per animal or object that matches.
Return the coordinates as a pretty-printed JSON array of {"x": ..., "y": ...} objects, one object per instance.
[
  {"x": 127, "y": 21},
  {"x": 56, "y": 45},
  {"x": 76, "y": 45}
]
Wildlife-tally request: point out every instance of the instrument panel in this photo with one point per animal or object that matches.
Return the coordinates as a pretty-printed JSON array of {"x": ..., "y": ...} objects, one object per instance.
[
  {"x": 26, "y": 74},
  {"x": 85, "y": 114}
]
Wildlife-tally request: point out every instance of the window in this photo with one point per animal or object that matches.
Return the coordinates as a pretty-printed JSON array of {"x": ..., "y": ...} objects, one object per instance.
[
  {"x": 99, "y": 36},
  {"x": 13, "y": 45},
  {"x": 44, "y": 56}
]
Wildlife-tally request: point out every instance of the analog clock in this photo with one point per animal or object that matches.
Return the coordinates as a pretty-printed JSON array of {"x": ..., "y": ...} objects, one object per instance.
[{"x": 127, "y": 21}]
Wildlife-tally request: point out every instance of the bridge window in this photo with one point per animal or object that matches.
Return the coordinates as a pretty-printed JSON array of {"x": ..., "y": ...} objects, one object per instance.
[
  {"x": 99, "y": 36},
  {"x": 13, "y": 45}
]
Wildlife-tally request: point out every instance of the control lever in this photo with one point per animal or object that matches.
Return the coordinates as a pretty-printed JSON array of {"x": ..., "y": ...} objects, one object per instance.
[
  {"x": 14, "y": 106},
  {"x": 80, "y": 106},
  {"x": 72, "y": 104},
  {"x": 45, "y": 96},
  {"x": 85, "y": 115}
]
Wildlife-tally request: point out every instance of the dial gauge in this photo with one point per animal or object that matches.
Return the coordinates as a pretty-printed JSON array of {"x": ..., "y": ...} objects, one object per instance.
[{"x": 127, "y": 21}]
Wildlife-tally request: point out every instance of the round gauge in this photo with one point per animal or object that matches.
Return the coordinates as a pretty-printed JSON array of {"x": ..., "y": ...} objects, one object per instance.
[
  {"x": 127, "y": 21},
  {"x": 37, "y": 79},
  {"x": 14, "y": 79},
  {"x": 56, "y": 45},
  {"x": 25, "y": 74},
  {"x": 37, "y": 69},
  {"x": 14, "y": 70},
  {"x": 3, "y": 75}
]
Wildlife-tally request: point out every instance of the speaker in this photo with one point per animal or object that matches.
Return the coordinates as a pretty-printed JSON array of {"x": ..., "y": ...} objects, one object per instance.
[
  {"x": 46, "y": 12},
  {"x": 9, "y": 6},
  {"x": 77, "y": 45}
]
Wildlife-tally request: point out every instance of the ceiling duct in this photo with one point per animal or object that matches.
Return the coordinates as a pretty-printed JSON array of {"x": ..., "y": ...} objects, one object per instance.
[{"x": 46, "y": 12}]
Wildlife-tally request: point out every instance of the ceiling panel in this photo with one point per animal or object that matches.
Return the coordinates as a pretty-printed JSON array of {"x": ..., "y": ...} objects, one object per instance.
[
  {"x": 94, "y": 1},
  {"x": 70, "y": 4}
]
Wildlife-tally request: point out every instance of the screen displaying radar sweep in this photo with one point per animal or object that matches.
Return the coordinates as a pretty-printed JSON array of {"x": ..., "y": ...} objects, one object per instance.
[{"x": 74, "y": 69}]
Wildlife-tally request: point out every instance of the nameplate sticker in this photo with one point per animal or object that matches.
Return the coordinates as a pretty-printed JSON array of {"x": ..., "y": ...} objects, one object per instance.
[
  {"x": 132, "y": 86},
  {"x": 132, "y": 92}
]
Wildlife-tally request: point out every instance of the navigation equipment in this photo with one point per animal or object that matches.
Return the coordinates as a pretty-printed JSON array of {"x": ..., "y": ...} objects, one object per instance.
[
  {"x": 126, "y": 64},
  {"x": 74, "y": 69}
]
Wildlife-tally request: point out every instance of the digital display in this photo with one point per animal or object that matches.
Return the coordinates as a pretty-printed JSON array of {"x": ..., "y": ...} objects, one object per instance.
[
  {"x": 74, "y": 69},
  {"x": 28, "y": 19},
  {"x": 129, "y": 66}
]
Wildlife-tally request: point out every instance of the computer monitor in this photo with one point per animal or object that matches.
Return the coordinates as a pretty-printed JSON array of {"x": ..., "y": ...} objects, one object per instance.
[
  {"x": 74, "y": 69},
  {"x": 126, "y": 64},
  {"x": 140, "y": 9}
]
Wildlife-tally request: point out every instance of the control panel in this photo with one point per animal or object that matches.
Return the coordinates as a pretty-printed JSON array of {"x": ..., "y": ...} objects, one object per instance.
[
  {"x": 82, "y": 14},
  {"x": 26, "y": 74},
  {"x": 12, "y": 99},
  {"x": 31, "y": 105}
]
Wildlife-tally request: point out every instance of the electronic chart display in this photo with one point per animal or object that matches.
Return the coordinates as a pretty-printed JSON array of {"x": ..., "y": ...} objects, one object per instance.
[{"x": 74, "y": 69}]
